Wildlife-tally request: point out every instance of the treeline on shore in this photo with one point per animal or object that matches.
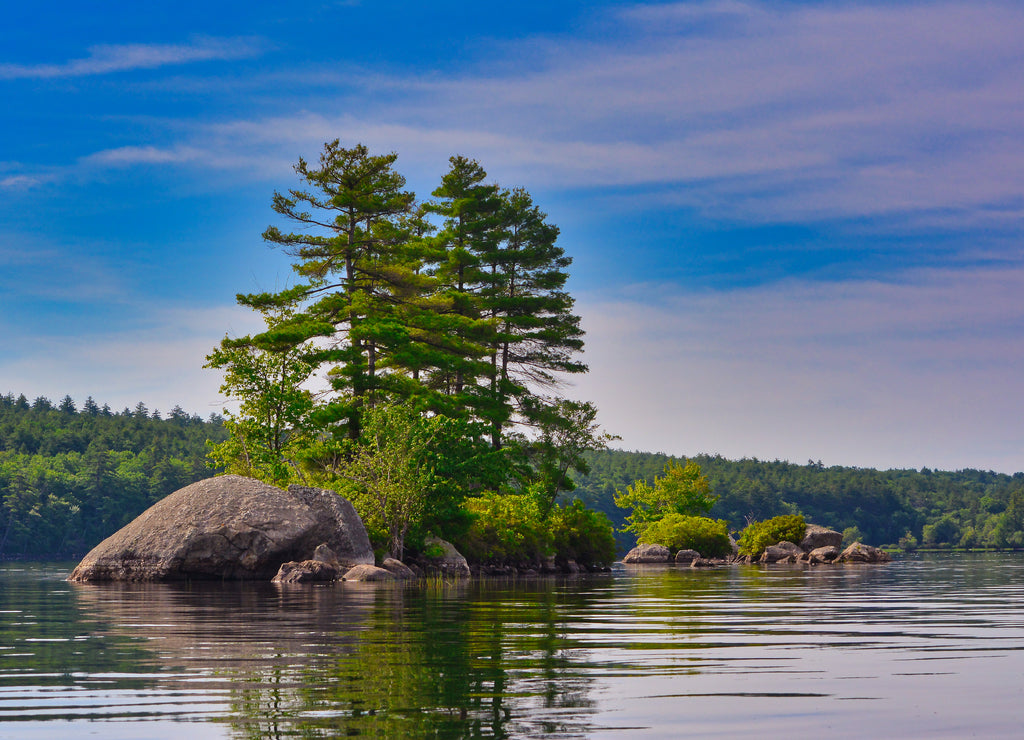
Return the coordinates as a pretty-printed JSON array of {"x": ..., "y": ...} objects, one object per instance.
[
  {"x": 899, "y": 508},
  {"x": 70, "y": 476}
]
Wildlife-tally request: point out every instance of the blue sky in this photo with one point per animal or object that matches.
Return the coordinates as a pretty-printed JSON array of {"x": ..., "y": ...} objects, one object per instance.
[{"x": 797, "y": 227}]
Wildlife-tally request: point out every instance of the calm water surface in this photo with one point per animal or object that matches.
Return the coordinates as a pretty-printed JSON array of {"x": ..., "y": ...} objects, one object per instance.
[{"x": 923, "y": 647}]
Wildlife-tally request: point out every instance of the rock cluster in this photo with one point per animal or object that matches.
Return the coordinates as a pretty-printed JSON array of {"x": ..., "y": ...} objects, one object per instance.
[{"x": 819, "y": 545}]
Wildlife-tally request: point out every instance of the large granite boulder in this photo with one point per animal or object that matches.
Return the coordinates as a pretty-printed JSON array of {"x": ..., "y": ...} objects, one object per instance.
[
  {"x": 818, "y": 536},
  {"x": 858, "y": 552},
  {"x": 647, "y": 554},
  {"x": 228, "y": 527}
]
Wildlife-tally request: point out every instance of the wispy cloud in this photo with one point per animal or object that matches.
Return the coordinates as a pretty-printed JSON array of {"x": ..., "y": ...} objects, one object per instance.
[
  {"x": 107, "y": 59},
  {"x": 127, "y": 156},
  {"x": 738, "y": 110},
  {"x": 748, "y": 111}
]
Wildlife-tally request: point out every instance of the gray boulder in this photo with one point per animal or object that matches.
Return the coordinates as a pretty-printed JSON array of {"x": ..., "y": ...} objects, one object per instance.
[
  {"x": 783, "y": 552},
  {"x": 307, "y": 571},
  {"x": 647, "y": 554},
  {"x": 706, "y": 562},
  {"x": 823, "y": 554},
  {"x": 817, "y": 536},
  {"x": 228, "y": 527},
  {"x": 858, "y": 552},
  {"x": 450, "y": 562},
  {"x": 369, "y": 572},
  {"x": 400, "y": 570},
  {"x": 685, "y": 557}
]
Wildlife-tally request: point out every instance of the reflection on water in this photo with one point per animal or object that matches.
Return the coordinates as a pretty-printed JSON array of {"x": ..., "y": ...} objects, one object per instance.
[{"x": 923, "y": 647}]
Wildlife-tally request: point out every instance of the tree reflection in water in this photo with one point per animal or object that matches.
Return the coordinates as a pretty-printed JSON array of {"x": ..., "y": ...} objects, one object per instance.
[
  {"x": 470, "y": 660},
  {"x": 431, "y": 661}
]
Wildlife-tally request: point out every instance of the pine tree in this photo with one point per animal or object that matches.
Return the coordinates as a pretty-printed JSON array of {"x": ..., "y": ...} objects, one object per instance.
[
  {"x": 351, "y": 255},
  {"x": 538, "y": 335}
]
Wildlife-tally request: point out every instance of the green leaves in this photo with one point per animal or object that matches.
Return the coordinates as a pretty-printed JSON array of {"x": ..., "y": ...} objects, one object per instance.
[
  {"x": 759, "y": 535},
  {"x": 682, "y": 490}
]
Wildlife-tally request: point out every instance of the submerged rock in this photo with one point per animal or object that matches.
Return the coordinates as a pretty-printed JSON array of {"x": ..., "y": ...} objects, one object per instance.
[
  {"x": 685, "y": 557},
  {"x": 228, "y": 527}
]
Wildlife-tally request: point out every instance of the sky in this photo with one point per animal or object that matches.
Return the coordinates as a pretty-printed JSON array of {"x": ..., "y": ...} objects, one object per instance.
[{"x": 796, "y": 227}]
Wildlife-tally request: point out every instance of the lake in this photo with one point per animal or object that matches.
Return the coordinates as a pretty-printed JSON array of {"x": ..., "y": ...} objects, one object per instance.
[{"x": 926, "y": 646}]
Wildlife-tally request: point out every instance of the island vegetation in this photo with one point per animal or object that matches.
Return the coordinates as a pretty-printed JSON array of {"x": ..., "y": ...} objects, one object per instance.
[{"x": 414, "y": 367}]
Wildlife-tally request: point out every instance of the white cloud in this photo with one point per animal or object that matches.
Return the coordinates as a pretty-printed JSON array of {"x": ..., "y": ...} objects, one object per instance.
[
  {"x": 127, "y": 156},
  {"x": 924, "y": 373},
  {"x": 110, "y": 58}
]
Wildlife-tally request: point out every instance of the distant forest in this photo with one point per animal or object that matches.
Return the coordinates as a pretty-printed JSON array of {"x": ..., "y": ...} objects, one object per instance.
[
  {"x": 904, "y": 508},
  {"x": 71, "y": 476}
]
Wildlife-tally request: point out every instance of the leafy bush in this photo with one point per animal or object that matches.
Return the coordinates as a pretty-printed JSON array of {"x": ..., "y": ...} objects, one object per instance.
[
  {"x": 682, "y": 490},
  {"x": 709, "y": 537},
  {"x": 510, "y": 529},
  {"x": 582, "y": 534},
  {"x": 506, "y": 530},
  {"x": 759, "y": 535},
  {"x": 851, "y": 535}
]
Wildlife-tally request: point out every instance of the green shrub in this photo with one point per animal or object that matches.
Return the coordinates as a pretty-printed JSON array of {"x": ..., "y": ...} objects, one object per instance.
[
  {"x": 709, "y": 537},
  {"x": 581, "y": 534},
  {"x": 759, "y": 535},
  {"x": 506, "y": 529}
]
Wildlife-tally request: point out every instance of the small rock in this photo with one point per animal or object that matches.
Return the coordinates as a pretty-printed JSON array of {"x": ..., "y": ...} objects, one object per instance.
[
  {"x": 366, "y": 572},
  {"x": 325, "y": 554},
  {"x": 400, "y": 570},
  {"x": 451, "y": 562},
  {"x": 704, "y": 563},
  {"x": 685, "y": 557},
  {"x": 858, "y": 552},
  {"x": 784, "y": 552},
  {"x": 647, "y": 554},
  {"x": 306, "y": 571},
  {"x": 823, "y": 554}
]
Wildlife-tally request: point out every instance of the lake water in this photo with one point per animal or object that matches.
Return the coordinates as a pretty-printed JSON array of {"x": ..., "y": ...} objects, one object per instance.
[{"x": 929, "y": 646}]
